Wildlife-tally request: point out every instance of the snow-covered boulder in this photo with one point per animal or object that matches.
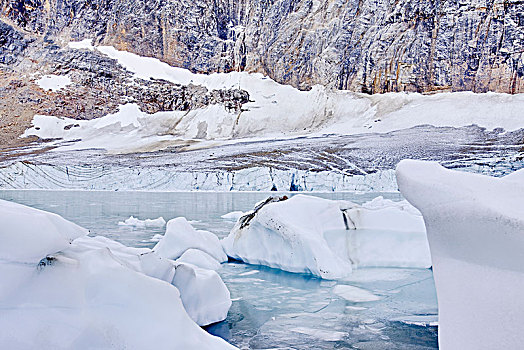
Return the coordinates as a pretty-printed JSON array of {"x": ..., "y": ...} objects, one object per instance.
[
  {"x": 92, "y": 292},
  {"x": 181, "y": 236},
  {"x": 204, "y": 294},
  {"x": 135, "y": 222},
  {"x": 475, "y": 227},
  {"x": 328, "y": 238}
]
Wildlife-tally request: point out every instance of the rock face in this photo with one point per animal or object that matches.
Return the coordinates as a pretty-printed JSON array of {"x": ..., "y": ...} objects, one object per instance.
[{"x": 370, "y": 46}]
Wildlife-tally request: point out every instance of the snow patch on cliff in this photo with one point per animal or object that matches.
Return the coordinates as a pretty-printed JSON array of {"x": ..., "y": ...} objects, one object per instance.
[{"x": 53, "y": 82}]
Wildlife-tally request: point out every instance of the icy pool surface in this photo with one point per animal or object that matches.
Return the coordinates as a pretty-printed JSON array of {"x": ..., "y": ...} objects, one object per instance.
[{"x": 373, "y": 309}]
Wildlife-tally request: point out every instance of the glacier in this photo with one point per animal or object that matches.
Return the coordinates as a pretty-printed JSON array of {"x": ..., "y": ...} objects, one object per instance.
[
  {"x": 274, "y": 110},
  {"x": 475, "y": 227}
]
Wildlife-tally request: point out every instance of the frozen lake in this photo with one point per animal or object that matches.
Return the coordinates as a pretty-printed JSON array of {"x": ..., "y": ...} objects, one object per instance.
[{"x": 271, "y": 308}]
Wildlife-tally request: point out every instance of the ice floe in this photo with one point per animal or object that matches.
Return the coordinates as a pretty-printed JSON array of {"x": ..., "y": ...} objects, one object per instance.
[
  {"x": 181, "y": 236},
  {"x": 354, "y": 294},
  {"x": 62, "y": 289},
  {"x": 204, "y": 295},
  {"x": 329, "y": 238},
  {"x": 135, "y": 222},
  {"x": 475, "y": 227}
]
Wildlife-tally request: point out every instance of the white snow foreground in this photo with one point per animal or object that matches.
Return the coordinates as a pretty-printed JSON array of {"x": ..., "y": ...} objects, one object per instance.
[
  {"x": 60, "y": 289},
  {"x": 274, "y": 110},
  {"x": 475, "y": 227},
  {"x": 329, "y": 238}
]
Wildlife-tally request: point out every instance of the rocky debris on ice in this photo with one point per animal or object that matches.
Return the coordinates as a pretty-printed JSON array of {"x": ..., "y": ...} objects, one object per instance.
[
  {"x": 328, "y": 238},
  {"x": 475, "y": 227},
  {"x": 60, "y": 288},
  {"x": 135, "y": 222},
  {"x": 181, "y": 236}
]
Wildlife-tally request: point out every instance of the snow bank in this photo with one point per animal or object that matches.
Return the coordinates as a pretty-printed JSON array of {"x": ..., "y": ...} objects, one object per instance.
[
  {"x": 475, "y": 228},
  {"x": 94, "y": 292},
  {"x": 328, "y": 238},
  {"x": 181, "y": 236},
  {"x": 132, "y": 221},
  {"x": 274, "y": 110},
  {"x": 53, "y": 82}
]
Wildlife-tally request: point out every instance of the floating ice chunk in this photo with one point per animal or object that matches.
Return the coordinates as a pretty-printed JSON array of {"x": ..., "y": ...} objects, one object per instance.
[
  {"x": 53, "y": 82},
  {"x": 354, "y": 294},
  {"x": 200, "y": 259},
  {"x": 475, "y": 228},
  {"x": 156, "y": 238},
  {"x": 29, "y": 235},
  {"x": 324, "y": 334},
  {"x": 204, "y": 294},
  {"x": 289, "y": 234},
  {"x": 181, "y": 236},
  {"x": 326, "y": 238},
  {"x": 419, "y": 320},
  {"x": 385, "y": 214},
  {"x": 234, "y": 215},
  {"x": 92, "y": 292},
  {"x": 132, "y": 221}
]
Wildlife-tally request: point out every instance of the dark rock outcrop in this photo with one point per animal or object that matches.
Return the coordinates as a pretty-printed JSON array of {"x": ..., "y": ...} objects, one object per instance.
[{"x": 360, "y": 45}]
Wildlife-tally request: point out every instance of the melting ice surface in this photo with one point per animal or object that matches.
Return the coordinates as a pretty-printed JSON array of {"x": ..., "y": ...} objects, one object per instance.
[{"x": 271, "y": 308}]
